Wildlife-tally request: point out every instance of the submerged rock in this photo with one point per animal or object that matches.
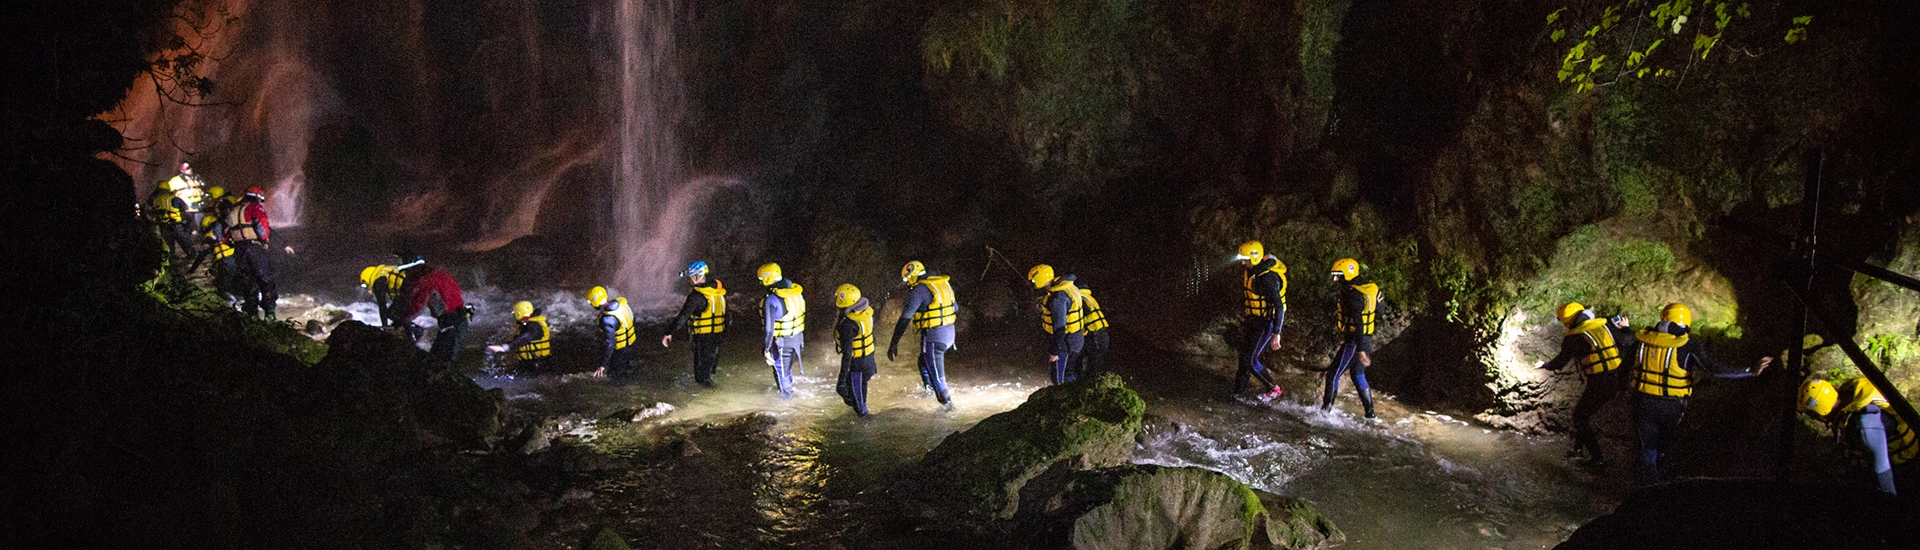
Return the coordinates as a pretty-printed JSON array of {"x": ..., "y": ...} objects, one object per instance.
[
  {"x": 1157, "y": 507},
  {"x": 606, "y": 539},
  {"x": 1748, "y": 513},
  {"x": 978, "y": 474}
]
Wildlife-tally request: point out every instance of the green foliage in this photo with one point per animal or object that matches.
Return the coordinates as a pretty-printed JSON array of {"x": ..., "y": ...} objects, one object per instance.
[
  {"x": 1635, "y": 29},
  {"x": 1603, "y": 271}
]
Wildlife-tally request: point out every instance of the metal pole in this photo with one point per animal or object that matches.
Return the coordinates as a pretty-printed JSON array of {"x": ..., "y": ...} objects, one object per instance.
[{"x": 1807, "y": 246}]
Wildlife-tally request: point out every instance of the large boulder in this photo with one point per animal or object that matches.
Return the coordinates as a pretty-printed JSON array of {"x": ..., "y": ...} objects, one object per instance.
[
  {"x": 977, "y": 475},
  {"x": 1157, "y": 507},
  {"x": 1749, "y": 513}
]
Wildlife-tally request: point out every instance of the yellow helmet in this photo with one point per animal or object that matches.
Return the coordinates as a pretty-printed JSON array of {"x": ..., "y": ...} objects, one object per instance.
[
  {"x": 911, "y": 272},
  {"x": 597, "y": 296},
  {"x": 1817, "y": 397},
  {"x": 1347, "y": 268},
  {"x": 846, "y": 295},
  {"x": 1040, "y": 275},
  {"x": 1677, "y": 313},
  {"x": 216, "y": 192},
  {"x": 522, "y": 310},
  {"x": 1567, "y": 312},
  {"x": 1251, "y": 250},
  {"x": 368, "y": 275},
  {"x": 768, "y": 274}
]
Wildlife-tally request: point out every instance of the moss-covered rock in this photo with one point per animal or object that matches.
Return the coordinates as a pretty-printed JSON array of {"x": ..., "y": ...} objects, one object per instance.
[
  {"x": 1887, "y": 324},
  {"x": 978, "y": 474},
  {"x": 1157, "y": 507}
]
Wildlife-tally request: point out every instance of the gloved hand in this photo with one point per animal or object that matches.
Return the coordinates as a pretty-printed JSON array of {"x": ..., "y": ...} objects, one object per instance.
[{"x": 893, "y": 352}]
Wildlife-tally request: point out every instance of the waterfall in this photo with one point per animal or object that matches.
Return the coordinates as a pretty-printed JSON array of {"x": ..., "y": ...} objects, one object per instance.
[{"x": 655, "y": 203}]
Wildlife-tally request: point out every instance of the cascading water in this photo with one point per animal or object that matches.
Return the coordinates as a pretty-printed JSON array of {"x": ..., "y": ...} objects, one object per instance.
[{"x": 656, "y": 201}]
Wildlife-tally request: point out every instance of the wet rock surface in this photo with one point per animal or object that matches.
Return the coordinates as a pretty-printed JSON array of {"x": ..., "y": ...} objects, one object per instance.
[
  {"x": 1743, "y": 513},
  {"x": 1144, "y": 506}
]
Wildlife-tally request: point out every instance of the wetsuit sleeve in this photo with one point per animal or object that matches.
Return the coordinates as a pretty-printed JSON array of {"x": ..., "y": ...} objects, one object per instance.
[
  {"x": 843, "y": 333},
  {"x": 528, "y": 331},
  {"x": 609, "y": 329},
  {"x": 385, "y": 304},
  {"x": 1570, "y": 348},
  {"x": 1271, "y": 287},
  {"x": 771, "y": 309},
  {"x": 1351, "y": 302},
  {"x": 257, "y": 214},
  {"x": 1061, "y": 304},
  {"x": 695, "y": 305},
  {"x": 917, "y": 298},
  {"x": 1696, "y": 357}
]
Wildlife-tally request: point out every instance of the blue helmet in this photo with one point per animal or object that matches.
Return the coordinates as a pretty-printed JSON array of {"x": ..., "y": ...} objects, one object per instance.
[{"x": 695, "y": 268}]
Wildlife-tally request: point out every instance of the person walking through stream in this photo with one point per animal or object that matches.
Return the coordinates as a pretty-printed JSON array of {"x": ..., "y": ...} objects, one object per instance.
[
  {"x": 783, "y": 314},
  {"x": 704, "y": 315},
  {"x": 1062, "y": 317},
  {"x": 853, "y": 339},
  {"x": 1355, "y": 312},
  {"x": 617, "y": 352},
  {"x": 1668, "y": 365},
  {"x": 1592, "y": 343},
  {"x": 932, "y": 310},
  {"x": 1263, "y": 306}
]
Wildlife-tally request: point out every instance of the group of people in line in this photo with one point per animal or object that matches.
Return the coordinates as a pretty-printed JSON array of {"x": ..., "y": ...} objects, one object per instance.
[
  {"x": 198, "y": 221},
  {"x": 1664, "y": 364}
]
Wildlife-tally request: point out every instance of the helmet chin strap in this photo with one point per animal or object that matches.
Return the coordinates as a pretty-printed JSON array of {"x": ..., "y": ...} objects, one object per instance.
[{"x": 414, "y": 263}]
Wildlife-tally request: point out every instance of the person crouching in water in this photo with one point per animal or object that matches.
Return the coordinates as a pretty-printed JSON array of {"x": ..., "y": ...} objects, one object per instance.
[
  {"x": 1865, "y": 414},
  {"x": 532, "y": 344},
  {"x": 853, "y": 338}
]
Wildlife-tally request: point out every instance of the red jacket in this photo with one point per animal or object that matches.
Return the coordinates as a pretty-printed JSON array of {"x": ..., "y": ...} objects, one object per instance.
[
  {"x": 257, "y": 213},
  {"x": 426, "y": 286}
]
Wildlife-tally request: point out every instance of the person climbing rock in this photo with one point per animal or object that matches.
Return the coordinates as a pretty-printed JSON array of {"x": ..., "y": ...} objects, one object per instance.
[
  {"x": 783, "y": 314},
  {"x": 433, "y": 290},
  {"x": 1093, "y": 356},
  {"x": 1263, "y": 309},
  {"x": 1593, "y": 344},
  {"x": 853, "y": 340},
  {"x": 704, "y": 315},
  {"x": 931, "y": 309},
  {"x": 533, "y": 344},
  {"x": 384, "y": 282},
  {"x": 1062, "y": 316},
  {"x": 617, "y": 352},
  {"x": 1667, "y": 365},
  {"x": 1865, "y": 414},
  {"x": 1354, "y": 317},
  {"x": 248, "y": 231}
]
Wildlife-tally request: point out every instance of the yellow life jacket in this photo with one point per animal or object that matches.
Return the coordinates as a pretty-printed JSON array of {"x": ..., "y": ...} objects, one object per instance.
[
  {"x": 238, "y": 228},
  {"x": 189, "y": 190},
  {"x": 863, "y": 340},
  {"x": 222, "y": 251},
  {"x": 1076, "y": 312},
  {"x": 1603, "y": 355},
  {"x": 623, "y": 330},
  {"x": 390, "y": 280},
  {"x": 795, "y": 320},
  {"x": 714, "y": 319},
  {"x": 163, "y": 210},
  {"x": 1367, "y": 313},
  {"x": 1096, "y": 320},
  {"x": 539, "y": 347},
  {"x": 1659, "y": 372},
  {"x": 941, "y": 312},
  {"x": 1255, "y": 305},
  {"x": 1902, "y": 444}
]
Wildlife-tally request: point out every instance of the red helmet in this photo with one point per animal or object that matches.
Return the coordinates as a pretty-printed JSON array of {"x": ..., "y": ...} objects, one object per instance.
[{"x": 257, "y": 192}]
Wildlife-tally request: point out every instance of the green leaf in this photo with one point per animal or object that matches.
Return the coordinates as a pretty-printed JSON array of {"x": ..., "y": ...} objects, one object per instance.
[
  {"x": 1555, "y": 16},
  {"x": 1746, "y": 10},
  {"x": 1557, "y": 35},
  {"x": 1633, "y": 59},
  {"x": 1642, "y": 73},
  {"x": 1565, "y": 74},
  {"x": 1794, "y": 36},
  {"x": 1583, "y": 87},
  {"x": 1597, "y": 63},
  {"x": 1803, "y": 20}
]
